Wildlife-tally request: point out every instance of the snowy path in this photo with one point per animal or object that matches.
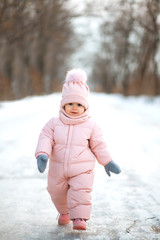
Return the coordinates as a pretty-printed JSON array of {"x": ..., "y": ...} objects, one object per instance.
[{"x": 125, "y": 206}]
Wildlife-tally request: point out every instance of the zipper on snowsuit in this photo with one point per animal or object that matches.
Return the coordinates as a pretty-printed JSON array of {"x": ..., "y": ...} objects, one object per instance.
[{"x": 67, "y": 151}]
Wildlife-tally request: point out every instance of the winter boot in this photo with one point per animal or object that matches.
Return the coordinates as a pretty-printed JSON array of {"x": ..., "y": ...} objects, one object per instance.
[
  {"x": 63, "y": 219},
  {"x": 79, "y": 224}
]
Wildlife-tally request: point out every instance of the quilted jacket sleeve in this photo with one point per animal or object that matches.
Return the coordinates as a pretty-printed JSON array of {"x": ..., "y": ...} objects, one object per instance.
[
  {"x": 46, "y": 139},
  {"x": 99, "y": 146}
]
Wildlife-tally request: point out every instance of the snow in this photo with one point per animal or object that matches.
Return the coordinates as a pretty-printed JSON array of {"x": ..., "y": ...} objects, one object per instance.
[{"x": 125, "y": 206}]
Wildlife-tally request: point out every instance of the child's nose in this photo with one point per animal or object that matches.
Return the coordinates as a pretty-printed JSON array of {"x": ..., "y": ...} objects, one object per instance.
[{"x": 74, "y": 106}]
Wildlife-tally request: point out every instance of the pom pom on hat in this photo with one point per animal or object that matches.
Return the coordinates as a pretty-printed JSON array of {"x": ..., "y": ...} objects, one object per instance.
[{"x": 76, "y": 76}]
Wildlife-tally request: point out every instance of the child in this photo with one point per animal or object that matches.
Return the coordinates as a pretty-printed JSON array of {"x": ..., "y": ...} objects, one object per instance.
[{"x": 72, "y": 142}]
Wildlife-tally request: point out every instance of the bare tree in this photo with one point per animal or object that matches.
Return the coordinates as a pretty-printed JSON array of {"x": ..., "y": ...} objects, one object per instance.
[
  {"x": 116, "y": 47},
  {"x": 129, "y": 48},
  {"x": 35, "y": 45},
  {"x": 147, "y": 70}
]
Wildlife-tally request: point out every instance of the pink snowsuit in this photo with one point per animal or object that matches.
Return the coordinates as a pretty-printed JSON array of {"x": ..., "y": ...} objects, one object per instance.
[{"x": 72, "y": 149}]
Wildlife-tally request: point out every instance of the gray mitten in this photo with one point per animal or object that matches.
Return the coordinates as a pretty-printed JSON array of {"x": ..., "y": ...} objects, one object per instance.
[
  {"x": 42, "y": 162},
  {"x": 112, "y": 167}
]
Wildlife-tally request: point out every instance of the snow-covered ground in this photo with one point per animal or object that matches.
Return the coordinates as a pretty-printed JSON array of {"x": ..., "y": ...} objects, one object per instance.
[{"x": 125, "y": 206}]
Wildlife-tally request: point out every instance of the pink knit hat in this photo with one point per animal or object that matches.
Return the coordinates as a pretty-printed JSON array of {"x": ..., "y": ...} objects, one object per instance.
[{"x": 75, "y": 88}]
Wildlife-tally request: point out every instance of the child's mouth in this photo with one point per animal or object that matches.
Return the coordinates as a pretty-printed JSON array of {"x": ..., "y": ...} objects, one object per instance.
[{"x": 74, "y": 112}]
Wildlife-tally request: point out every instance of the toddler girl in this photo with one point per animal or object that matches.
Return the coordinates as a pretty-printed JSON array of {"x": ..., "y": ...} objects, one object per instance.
[{"x": 72, "y": 142}]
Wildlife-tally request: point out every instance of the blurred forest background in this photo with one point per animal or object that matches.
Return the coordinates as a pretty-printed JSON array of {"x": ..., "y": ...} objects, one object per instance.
[{"x": 38, "y": 40}]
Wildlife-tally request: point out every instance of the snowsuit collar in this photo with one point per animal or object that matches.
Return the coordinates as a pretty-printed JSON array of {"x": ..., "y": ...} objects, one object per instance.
[{"x": 67, "y": 119}]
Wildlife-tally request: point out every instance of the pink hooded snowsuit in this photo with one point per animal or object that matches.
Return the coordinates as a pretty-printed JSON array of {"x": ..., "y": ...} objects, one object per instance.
[{"x": 72, "y": 144}]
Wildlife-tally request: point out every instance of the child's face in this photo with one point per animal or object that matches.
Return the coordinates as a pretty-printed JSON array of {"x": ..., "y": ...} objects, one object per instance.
[{"x": 74, "y": 109}]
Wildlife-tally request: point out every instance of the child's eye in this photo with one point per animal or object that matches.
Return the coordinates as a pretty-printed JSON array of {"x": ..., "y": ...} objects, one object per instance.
[
  {"x": 70, "y": 104},
  {"x": 79, "y": 105}
]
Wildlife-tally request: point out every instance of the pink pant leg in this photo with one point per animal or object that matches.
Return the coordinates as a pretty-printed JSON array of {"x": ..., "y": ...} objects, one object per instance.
[
  {"x": 57, "y": 188},
  {"x": 79, "y": 195}
]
